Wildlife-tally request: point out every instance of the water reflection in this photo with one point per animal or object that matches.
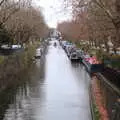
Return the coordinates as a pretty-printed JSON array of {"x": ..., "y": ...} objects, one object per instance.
[
  {"x": 56, "y": 90},
  {"x": 15, "y": 103}
]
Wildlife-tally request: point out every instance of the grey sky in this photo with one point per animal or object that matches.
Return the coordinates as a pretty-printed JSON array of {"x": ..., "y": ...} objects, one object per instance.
[{"x": 54, "y": 11}]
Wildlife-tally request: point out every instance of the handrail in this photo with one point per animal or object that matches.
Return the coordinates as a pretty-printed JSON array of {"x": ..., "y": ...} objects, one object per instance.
[{"x": 112, "y": 86}]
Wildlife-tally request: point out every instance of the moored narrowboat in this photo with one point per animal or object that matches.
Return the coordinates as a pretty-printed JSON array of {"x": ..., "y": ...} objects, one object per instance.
[{"x": 93, "y": 65}]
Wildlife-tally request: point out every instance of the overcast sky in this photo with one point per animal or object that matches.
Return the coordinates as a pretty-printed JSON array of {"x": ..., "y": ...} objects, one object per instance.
[{"x": 54, "y": 11}]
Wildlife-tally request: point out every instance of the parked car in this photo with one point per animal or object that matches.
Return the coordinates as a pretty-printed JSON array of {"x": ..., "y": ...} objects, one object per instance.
[
  {"x": 11, "y": 46},
  {"x": 74, "y": 57},
  {"x": 16, "y": 46},
  {"x": 63, "y": 43},
  {"x": 10, "y": 49},
  {"x": 80, "y": 54},
  {"x": 68, "y": 48},
  {"x": 66, "y": 44}
]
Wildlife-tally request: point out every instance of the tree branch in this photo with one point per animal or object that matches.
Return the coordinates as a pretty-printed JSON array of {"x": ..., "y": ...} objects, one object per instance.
[{"x": 2, "y": 2}]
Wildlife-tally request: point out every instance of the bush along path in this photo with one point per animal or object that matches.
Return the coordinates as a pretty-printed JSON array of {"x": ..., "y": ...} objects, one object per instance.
[{"x": 99, "y": 109}]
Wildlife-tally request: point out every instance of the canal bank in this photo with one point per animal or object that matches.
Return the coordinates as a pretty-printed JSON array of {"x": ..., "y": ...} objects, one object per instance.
[{"x": 14, "y": 65}]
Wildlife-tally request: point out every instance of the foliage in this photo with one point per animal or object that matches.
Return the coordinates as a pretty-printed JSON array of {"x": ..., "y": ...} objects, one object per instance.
[
  {"x": 2, "y": 58},
  {"x": 13, "y": 65},
  {"x": 96, "y": 112},
  {"x": 110, "y": 60},
  {"x": 5, "y": 37}
]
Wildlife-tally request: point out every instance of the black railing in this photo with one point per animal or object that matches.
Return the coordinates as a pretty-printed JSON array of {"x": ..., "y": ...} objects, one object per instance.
[
  {"x": 112, "y": 75},
  {"x": 111, "y": 96},
  {"x": 116, "y": 111}
]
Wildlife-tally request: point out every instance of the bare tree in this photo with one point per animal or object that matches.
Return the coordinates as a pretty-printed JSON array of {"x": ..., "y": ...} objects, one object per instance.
[
  {"x": 103, "y": 15},
  {"x": 22, "y": 21}
]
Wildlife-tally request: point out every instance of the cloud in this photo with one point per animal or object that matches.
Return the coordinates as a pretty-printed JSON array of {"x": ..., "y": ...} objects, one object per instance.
[{"x": 53, "y": 11}]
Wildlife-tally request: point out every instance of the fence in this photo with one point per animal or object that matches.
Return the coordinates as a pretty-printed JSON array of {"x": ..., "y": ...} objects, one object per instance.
[
  {"x": 112, "y": 75},
  {"x": 111, "y": 97}
]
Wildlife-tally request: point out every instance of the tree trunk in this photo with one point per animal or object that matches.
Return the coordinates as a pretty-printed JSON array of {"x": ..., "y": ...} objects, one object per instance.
[
  {"x": 116, "y": 41},
  {"x": 106, "y": 44},
  {"x": 114, "y": 49}
]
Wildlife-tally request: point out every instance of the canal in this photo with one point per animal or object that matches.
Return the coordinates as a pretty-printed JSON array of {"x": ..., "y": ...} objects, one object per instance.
[{"x": 56, "y": 89}]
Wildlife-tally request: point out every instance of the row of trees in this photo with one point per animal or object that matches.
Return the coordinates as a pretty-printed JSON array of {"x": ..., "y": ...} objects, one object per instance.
[
  {"x": 97, "y": 21},
  {"x": 20, "y": 22}
]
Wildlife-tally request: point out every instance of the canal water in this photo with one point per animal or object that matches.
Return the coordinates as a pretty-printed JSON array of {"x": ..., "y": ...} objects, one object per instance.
[{"x": 56, "y": 89}]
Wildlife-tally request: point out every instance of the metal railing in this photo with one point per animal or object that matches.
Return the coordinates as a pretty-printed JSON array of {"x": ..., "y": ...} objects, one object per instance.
[
  {"x": 112, "y": 75},
  {"x": 111, "y": 97}
]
